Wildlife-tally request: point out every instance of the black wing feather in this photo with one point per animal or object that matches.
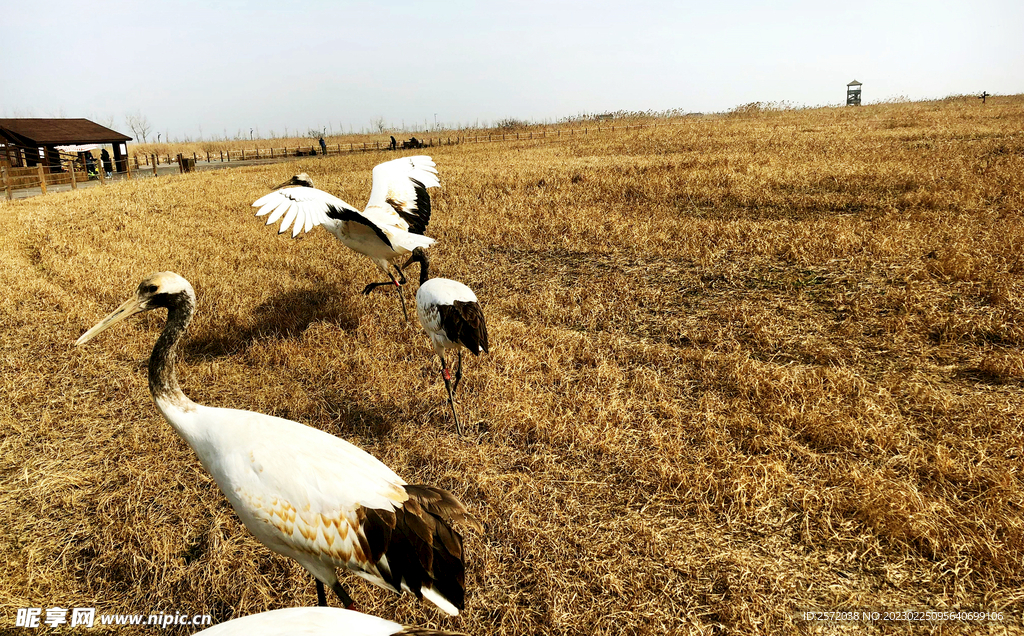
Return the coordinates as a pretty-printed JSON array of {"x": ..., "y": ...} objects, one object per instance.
[
  {"x": 346, "y": 214},
  {"x": 420, "y": 544},
  {"x": 464, "y": 322},
  {"x": 419, "y": 215}
]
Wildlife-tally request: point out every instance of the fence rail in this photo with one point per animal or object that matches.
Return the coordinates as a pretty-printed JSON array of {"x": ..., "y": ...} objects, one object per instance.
[
  {"x": 40, "y": 176},
  {"x": 256, "y": 153},
  {"x": 53, "y": 168}
]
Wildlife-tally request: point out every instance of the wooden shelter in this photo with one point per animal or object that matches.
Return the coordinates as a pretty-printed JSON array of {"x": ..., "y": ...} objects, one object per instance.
[{"x": 28, "y": 142}]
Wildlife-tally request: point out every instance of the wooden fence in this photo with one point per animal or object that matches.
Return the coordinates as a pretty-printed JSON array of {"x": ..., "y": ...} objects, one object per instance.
[
  {"x": 227, "y": 156},
  {"x": 64, "y": 169},
  {"x": 39, "y": 177}
]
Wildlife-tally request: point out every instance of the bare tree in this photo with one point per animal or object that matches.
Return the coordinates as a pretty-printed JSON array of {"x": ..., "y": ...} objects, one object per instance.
[
  {"x": 106, "y": 121},
  {"x": 139, "y": 125},
  {"x": 379, "y": 124}
]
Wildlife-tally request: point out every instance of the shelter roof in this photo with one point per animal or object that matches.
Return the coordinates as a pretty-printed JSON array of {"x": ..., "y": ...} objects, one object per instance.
[{"x": 47, "y": 132}]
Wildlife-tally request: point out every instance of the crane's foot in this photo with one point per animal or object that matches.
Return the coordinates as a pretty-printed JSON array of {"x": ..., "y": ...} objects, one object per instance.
[{"x": 372, "y": 286}]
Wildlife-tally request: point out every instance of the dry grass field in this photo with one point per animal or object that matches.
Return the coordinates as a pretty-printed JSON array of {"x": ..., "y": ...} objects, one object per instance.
[{"x": 741, "y": 367}]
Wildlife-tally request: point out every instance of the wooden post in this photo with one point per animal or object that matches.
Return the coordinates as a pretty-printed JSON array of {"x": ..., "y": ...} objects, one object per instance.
[
  {"x": 74, "y": 183},
  {"x": 222, "y": 156},
  {"x": 154, "y": 165},
  {"x": 271, "y": 152},
  {"x": 42, "y": 176},
  {"x": 5, "y": 170},
  {"x": 207, "y": 156},
  {"x": 101, "y": 172},
  {"x": 243, "y": 154}
]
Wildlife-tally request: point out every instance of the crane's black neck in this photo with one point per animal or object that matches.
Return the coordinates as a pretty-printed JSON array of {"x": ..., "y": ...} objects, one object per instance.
[
  {"x": 163, "y": 382},
  {"x": 420, "y": 256}
]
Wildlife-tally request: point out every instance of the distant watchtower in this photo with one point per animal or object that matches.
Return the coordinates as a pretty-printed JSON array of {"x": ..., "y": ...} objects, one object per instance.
[{"x": 853, "y": 93}]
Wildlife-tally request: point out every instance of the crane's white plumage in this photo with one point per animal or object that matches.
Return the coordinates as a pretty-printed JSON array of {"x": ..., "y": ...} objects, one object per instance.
[
  {"x": 391, "y": 225},
  {"x": 314, "y": 621},
  {"x": 302, "y": 492},
  {"x": 433, "y": 297},
  {"x": 452, "y": 318},
  {"x": 394, "y": 206}
]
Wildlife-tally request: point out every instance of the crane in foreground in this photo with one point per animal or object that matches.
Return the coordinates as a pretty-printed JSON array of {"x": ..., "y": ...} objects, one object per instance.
[
  {"x": 451, "y": 316},
  {"x": 391, "y": 225},
  {"x": 315, "y": 621},
  {"x": 302, "y": 492}
]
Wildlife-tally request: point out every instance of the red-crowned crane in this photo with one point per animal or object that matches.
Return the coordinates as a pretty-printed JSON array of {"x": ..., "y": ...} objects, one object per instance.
[
  {"x": 316, "y": 621},
  {"x": 452, "y": 318},
  {"x": 302, "y": 492},
  {"x": 391, "y": 226}
]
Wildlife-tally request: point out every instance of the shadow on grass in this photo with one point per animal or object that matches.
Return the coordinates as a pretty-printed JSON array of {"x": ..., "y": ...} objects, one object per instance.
[
  {"x": 286, "y": 315},
  {"x": 372, "y": 421}
]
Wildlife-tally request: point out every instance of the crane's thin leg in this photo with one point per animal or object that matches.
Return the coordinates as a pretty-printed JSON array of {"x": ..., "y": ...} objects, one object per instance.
[
  {"x": 401, "y": 297},
  {"x": 399, "y": 282},
  {"x": 398, "y": 288},
  {"x": 321, "y": 595},
  {"x": 346, "y": 600},
  {"x": 451, "y": 400},
  {"x": 458, "y": 373},
  {"x": 401, "y": 274}
]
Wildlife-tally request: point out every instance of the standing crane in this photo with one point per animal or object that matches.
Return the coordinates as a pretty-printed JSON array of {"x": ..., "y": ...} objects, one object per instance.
[
  {"x": 315, "y": 621},
  {"x": 302, "y": 492},
  {"x": 391, "y": 225},
  {"x": 452, "y": 318}
]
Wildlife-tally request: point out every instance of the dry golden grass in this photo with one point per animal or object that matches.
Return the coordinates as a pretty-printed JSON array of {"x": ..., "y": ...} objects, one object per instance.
[
  {"x": 357, "y": 141},
  {"x": 740, "y": 367}
]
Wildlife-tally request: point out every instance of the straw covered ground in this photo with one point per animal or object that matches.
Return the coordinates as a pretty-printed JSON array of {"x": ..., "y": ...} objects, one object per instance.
[{"x": 741, "y": 367}]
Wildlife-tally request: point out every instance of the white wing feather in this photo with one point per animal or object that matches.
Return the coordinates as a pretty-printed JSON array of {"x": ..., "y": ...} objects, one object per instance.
[
  {"x": 392, "y": 182},
  {"x": 307, "y": 207},
  {"x": 305, "y": 621}
]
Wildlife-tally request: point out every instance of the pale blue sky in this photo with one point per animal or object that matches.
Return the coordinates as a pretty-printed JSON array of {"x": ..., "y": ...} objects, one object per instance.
[{"x": 218, "y": 66}]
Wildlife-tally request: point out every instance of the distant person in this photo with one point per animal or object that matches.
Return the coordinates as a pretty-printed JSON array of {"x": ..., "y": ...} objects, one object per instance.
[
  {"x": 90, "y": 165},
  {"x": 394, "y": 143},
  {"x": 108, "y": 165},
  {"x": 323, "y": 146}
]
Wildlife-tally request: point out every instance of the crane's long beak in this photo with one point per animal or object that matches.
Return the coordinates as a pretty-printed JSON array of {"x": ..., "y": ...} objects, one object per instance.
[
  {"x": 408, "y": 262},
  {"x": 295, "y": 180},
  {"x": 130, "y": 307}
]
